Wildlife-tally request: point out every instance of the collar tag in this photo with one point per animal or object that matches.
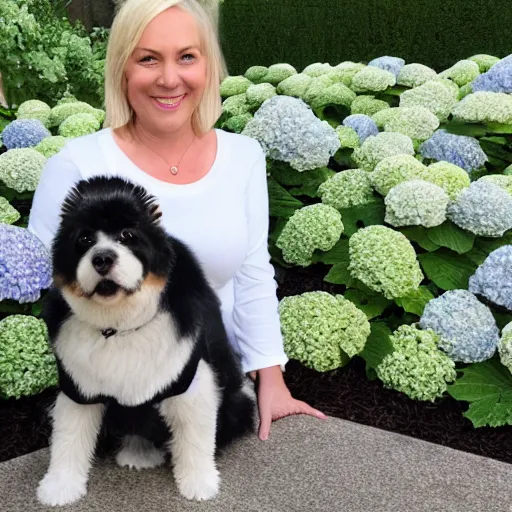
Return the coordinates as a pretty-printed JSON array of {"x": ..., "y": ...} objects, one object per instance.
[{"x": 108, "y": 332}]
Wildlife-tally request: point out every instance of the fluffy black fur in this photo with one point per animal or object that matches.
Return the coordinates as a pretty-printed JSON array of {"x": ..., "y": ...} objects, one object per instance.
[{"x": 116, "y": 207}]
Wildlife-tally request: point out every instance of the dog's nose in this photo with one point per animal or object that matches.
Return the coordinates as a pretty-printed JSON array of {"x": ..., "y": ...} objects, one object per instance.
[{"x": 103, "y": 261}]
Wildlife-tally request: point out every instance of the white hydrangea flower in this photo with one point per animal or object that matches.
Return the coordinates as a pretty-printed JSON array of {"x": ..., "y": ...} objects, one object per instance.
[
  {"x": 462, "y": 72},
  {"x": 484, "y": 107},
  {"x": 413, "y": 75},
  {"x": 416, "y": 203},
  {"x": 372, "y": 79},
  {"x": 396, "y": 169},
  {"x": 418, "y": 123}
]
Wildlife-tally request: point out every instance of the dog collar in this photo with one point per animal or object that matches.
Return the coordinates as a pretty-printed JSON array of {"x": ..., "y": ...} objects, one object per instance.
[{"x": 110, "y": 331}]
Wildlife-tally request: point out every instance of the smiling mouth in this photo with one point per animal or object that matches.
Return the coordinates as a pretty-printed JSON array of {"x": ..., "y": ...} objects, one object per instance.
[
  {"x": 106, "y": 288},
  {"x": 170, "y": 101}
]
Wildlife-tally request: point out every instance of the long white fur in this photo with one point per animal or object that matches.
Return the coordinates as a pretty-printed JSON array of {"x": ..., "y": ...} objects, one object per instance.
[
  {"x": 127, "y": 271},
  {"x": 139, "y": 453},
  {"x": 192, "y": 417},
  {"x": 131, "y": 367},
  {"x": 75, "y": 432}
]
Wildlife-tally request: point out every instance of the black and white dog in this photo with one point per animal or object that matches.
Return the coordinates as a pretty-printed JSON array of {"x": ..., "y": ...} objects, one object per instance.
[{"x": 141, "y": 348}]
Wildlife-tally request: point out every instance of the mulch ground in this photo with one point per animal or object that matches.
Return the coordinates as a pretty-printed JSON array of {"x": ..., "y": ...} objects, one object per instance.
[{"x": 344, "y": 393}]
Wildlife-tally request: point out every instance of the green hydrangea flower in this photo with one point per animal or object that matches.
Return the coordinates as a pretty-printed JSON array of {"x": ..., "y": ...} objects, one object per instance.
[
  {"x": 418, "y": 123},
  {"x": 368, "y": 105},
  {"x": 279, "y": 72},
  {"x": 338, "y": 75},
  {"x": 317, "y": 69},
  {"x": 485, "y": 62},
  {"x": 27, "y": 365},
  {"x": 236, "y": 105},
  {"x": 295, "y": 85},
  {"x": 505, "y": 346},
  {"x": 20, "y": 169},
  {"x": 503, "y": 181},
  {"x": 372, "y": 79},
  {"x": 484, "y": 107},
  {"x": 321, "y": 330},
  {"x": 317, "y": 226},
  {"x": 383, "y": 116},
  {"x": 51, "y": 145},
  {"x": 416, "y": 367},
  {"x": 385, "y": 261},
  {"x": 346, "y": 189},
  {"x": 416, "y": 203},
  {"x": 78, "y": 125},
  {"x": 348, "y": 137},
  {"x": 236, "y": 124},
  {"x": 462, "y": 72},
  {"x": 434, "y": 96},
  {"x": 337, "y": 94},
  {"x": 376, "y": 148},
  {"x": 451, "y": 178},
  {"x": 256, "y": 74},
  {"x": 464, "y": 91},
  {"x": 317, "y": 86},
  {"x": 61, "y": 112},
  {"x": 35, "y": 109},
  {"x": 393, "y": 170},
  {"x": 413, "y": 75},
  {"x": 258, "y": 93},
  {"x": 8, "y": 214},
  {"x": 234, "y": 85}
]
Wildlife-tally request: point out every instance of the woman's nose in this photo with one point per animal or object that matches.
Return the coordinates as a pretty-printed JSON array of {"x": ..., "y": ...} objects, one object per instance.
[{"x": 169, "y": 76}]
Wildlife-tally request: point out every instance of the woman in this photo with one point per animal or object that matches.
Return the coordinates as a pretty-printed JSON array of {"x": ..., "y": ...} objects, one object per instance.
[{"x": 163, "y": 70}]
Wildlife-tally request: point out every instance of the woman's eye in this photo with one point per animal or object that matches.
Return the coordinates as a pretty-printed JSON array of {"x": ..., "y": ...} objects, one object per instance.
[
  {"x": 189, "y": 55},
  {"x": 148, "y": 58}
]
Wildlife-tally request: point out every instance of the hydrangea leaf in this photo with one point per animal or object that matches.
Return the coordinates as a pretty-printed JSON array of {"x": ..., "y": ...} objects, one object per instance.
[
  {"x": 371, "y": 304},
  {"x": 487, "y": 386},
  {"x": 339, "y": 274},
  {"x": 281, "y": 202},
  {"x": 449, "y": 235},
  {"x": 419, "y": 235},
  {"x": 447, "y": 270},
  {"x": 338, "y": 254},
  {"x": 499, "y": 128},
  {"x": 458, "y": 128},
  {"x": 416, "y": 301},
  {"x": 378, "y": 345},
  {"x": 364, "y": 215}
]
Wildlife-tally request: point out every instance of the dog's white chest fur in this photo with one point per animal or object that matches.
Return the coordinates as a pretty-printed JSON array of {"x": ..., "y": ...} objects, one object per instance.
[{"x": 131, "y": 367}]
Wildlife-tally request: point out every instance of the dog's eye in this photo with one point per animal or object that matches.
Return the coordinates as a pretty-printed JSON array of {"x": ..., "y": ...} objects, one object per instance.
[
  {"x": 86, "y": 239},
  {"x": 127, "y": 236}
]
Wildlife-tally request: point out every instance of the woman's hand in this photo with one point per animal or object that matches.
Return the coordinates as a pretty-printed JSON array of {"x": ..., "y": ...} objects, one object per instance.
[{"x": 275, "y": 400}]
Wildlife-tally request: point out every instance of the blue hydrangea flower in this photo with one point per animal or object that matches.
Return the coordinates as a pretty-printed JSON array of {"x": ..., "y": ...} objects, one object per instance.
[
  {"x": 468, "y": 331},
  {"x": 493, "y": 278},
  {"x": 24, "y": 133},
  {"x": 391, "y": 64},
  {"x": 363, "y": 125},
  {"x": 497, "y": 79},
  {"x": 459, "y": 150},
  {"x": 288, "y": 130},
  {"x": 484, "y": 209},
  {"x": 25, "y": 265}
]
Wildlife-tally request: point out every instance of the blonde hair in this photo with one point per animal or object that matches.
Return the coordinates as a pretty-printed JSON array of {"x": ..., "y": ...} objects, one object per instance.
[{"x": 129, "y": 23}]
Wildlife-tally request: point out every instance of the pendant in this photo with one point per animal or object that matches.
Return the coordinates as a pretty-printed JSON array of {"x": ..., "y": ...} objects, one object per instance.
[{"x": 174, "y": 170}]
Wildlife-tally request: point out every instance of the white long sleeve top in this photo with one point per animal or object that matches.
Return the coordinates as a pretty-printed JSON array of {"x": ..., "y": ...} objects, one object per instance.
[{"x": 223, "y": 218}]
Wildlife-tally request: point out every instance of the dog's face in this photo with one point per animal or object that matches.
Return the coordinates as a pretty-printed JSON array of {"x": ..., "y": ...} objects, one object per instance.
[{"x": 109, "y": 244}]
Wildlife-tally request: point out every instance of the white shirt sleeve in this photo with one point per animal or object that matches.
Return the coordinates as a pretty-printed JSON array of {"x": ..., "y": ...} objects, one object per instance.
[
  {"x": 255, "y": 313},
  {"x": 58, "y": 177}
]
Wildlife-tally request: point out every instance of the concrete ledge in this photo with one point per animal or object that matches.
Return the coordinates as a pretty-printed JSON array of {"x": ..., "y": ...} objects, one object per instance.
[{"x": 307, "y": 465}]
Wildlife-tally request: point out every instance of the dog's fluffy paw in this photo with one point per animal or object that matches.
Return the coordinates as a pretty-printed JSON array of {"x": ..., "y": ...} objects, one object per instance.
[
  {"x": 60, "y": 489},
  {"x": 199, "y": 486},
  {"x": 137, "y": 459}
]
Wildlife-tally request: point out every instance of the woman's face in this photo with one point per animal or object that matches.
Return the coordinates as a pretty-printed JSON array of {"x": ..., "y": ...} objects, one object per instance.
[{"x": 166, "y": 73}]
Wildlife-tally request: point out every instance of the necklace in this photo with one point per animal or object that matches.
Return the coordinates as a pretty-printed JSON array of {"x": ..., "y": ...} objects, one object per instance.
[{"x": 172, "y": 168}]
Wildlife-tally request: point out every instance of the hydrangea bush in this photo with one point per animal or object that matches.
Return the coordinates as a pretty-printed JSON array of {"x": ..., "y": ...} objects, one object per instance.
[{"x": 389, "y": 179}]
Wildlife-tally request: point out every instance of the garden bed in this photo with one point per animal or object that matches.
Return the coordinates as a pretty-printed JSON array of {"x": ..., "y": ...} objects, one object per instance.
[{"x": 344, "y": 393}]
